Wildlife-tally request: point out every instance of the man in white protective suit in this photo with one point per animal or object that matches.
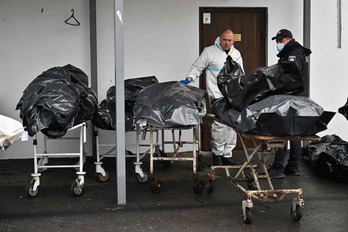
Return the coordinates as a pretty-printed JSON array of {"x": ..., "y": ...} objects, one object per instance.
[{"x": 212, "y": 59}]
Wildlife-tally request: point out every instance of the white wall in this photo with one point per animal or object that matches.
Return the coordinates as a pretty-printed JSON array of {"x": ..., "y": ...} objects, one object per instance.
[
  {"x": 32, "y": 42},
  {"x": 161, "y": 39},
  {"x": 329, "y": 85}
]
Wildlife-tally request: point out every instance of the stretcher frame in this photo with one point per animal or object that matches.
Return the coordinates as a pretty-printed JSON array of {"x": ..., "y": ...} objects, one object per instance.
[
  {"x": 103, "y": 176},
  {"x": 198, "y": 185},
  {"x": 264, "y": 147},
  {"x": 41, "y": 160}
]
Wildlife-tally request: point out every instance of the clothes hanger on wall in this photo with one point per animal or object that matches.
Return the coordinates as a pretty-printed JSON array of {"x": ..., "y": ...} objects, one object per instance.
[{"x": 75, "y": 21}]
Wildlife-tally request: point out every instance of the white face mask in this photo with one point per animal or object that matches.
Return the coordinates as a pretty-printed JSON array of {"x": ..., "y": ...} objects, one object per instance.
[{"x": 280, "y": 47}]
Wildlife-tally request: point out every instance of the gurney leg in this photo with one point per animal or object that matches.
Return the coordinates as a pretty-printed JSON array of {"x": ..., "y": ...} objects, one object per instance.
[
  {"x": 246, "y": 207},
  {"x": 296, "y": 207},
  {"x": 155, "y": 184},
  {"x": 101, "y": 174},
  {"x": 77, "y": 185},
  {"x": 33, "y": 187},
  {"x": 142, "y": 176},
  {"x": 198, "y": 185}
]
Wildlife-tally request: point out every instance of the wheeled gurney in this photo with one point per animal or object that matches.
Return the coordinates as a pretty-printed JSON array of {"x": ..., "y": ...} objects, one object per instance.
[
  {"x": 254, "y": 169},
  {"x": 198, "y": 186},
  {"x": 41, "y": 162},
  {"x": 102, "y": 174}
]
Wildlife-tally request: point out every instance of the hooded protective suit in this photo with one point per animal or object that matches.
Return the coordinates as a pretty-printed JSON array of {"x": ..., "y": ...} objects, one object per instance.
[{"x": 212, "y": 59}]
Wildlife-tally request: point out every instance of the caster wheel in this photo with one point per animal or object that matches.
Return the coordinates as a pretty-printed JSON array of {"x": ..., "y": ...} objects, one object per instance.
[
  {"x": 296, "y": 214},
  {"x": 198, "y": 186},
  {"x": 247, "y": 216},
  {"x": 76, "y": 189},
  {"x": 101, "y": 178},
  {"x": 155, "y": 187},
  {"x": 143, "y": 179},
  {"x": 29, "y": 190},
  {"x": 209, "y": 187}
]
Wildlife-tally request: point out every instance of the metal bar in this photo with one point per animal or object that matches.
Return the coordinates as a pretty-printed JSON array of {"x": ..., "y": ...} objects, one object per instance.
[
  {"x": 82, "y": 139},
  {"x": 60, "y": 166},
  {"x": 174, "y": 158},
  {"x": 151, "y": 152},
  {"x": 58, "y": 154},
  {"x": 249, "y": 157},
  {"x": 244, "y": 147},
  {"x": 194, "y": 166},
  {"x": 94, "y": 63},
  {"x": 339, "y": 24},
  {"x": 307, "y": 33},
  {"x": 119, "y": 94},
  {"x": 137, "y": 126},
  {"x": 35, "y": 155},
  {"x": 163, "y": 146}
]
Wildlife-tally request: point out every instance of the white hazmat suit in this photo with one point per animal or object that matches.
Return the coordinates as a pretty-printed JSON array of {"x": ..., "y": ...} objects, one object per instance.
[{"x": 224, "y": 138}]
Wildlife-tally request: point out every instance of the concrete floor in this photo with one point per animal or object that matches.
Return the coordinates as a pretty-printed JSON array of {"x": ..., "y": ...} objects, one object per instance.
[{"x": 175, "y": 208}]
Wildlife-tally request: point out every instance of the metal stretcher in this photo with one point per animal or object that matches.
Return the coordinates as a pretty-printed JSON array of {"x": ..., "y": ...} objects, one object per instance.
[
  {"x": 254, "y": 169},
  {"x": 41, "y": 162},
  {"x": 102, "y": 174},
  {"x": 198, "y": 185}
]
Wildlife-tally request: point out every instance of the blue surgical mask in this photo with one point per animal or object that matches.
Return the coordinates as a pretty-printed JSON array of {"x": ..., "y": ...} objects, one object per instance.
[{"x": 280, "y": 47}]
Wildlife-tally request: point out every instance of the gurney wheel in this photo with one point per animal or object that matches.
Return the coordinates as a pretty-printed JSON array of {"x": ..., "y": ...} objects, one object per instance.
[
  {"x": 101, "y": 178},
  {"x": 247, "y": 216},
  {"x": 155, "y": 187},
  {"x": 296, "y": 214},
  {"x": 143, "y": 179},
  {"x": 198, "y": 186},
  {"x": 30, "y": 191},
  {"x": 209, "y": 187},
  {"x": 76, "y": 189}
]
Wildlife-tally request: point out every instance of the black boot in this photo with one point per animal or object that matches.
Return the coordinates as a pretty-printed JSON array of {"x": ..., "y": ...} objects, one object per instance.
[
  {"x": 228, "y": 161},
  {"x": 217, "y": 160}
]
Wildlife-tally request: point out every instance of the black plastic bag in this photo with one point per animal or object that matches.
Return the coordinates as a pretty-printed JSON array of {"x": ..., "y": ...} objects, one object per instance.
[
  {"x": 240, "y": 90},
  {"x": 104, "y": 117},
  {"x": 57, "y": 100},
  {"x": 170, "y": 104},
  {"x": 344, "y": 110},
  {"x": 329, "y": 156},
  {"x": 277, "y": 115}
]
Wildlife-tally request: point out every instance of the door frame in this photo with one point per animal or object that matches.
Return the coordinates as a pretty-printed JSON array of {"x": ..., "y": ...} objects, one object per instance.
[{"x": 202, "y": 10}]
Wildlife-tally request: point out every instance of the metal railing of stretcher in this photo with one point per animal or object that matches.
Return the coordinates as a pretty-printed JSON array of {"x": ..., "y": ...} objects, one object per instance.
[
  {"x": 254, "y": 169},
  {"x": 102, "y": 174},
  {"x": 41, "y": 161}
]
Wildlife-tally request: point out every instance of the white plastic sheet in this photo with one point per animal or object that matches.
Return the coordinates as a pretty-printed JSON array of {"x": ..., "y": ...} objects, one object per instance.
[{"x": 10, "y": 131}]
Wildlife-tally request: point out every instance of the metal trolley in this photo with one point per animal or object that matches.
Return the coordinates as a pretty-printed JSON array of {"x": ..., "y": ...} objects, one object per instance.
[
  {"x": 41, "y": 162},
  {"x": 198, "y": 185},
  {"x": 264, "y": 147},
  {"x": 103, "y": 176}
]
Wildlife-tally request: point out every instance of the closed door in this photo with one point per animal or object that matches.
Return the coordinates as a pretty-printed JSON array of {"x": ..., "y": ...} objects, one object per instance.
[{"x": 249, "y": 28}]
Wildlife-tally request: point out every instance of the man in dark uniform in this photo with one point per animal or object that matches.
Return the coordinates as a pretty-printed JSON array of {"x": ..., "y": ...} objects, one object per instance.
[{"x": 290, "y": 50}]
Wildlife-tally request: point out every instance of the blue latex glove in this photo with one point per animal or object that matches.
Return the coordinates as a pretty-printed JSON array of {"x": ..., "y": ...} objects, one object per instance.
[{"x": 185, "y": 82}]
